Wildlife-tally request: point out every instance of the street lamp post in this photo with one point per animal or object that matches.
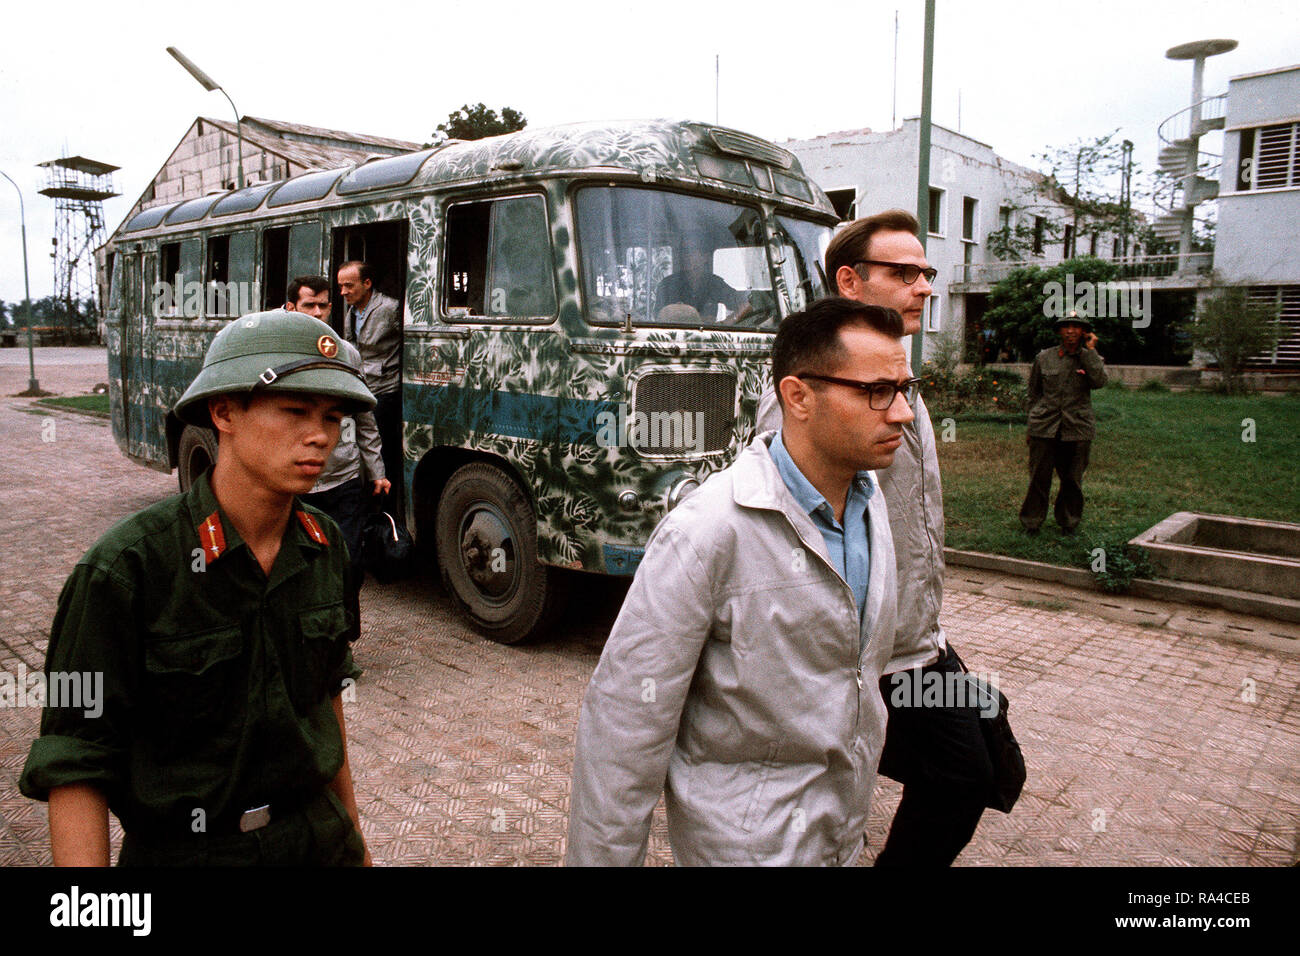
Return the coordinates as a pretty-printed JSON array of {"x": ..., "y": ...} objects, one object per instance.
[
  {"x": 33, "y": 386},
  {"x": 209, "y": 84}
]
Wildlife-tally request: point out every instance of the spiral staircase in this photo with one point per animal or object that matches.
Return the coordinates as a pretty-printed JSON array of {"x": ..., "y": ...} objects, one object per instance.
[{"x": 1194, "y": 171}]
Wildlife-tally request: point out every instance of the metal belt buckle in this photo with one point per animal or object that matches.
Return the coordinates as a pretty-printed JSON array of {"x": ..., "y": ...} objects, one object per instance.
[{"x": 255, "y": 818}]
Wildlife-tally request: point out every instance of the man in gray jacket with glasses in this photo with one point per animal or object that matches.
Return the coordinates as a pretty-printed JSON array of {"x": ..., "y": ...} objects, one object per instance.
[
  {"x": 740, "y": 679},
  {"x": 934, "y": 745}
]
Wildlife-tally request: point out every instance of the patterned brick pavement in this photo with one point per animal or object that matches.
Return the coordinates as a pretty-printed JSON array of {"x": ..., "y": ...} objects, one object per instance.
[{"x": 1142, "y": 746}]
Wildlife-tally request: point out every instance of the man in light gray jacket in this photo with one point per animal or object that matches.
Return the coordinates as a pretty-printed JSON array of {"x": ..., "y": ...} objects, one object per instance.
[
  {"x": 740, "y": 678},
  {"x": 373, "y": 323},
  {"x": 933, "y": 747}
]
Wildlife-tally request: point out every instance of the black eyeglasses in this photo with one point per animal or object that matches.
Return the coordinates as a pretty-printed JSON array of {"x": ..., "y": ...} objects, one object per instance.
[
  {"x": 905, "y": 270},
  {"x": 880, "y": 395}
]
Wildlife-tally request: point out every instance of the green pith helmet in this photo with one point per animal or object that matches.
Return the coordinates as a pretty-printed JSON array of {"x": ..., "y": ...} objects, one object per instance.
[
  {"x": 1072, "y": 319},
  {"x": 273, "y": 351}
]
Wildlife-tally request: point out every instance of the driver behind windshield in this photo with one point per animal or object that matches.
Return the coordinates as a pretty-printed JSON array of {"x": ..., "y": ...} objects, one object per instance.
[{"x": 694, "y": 285}]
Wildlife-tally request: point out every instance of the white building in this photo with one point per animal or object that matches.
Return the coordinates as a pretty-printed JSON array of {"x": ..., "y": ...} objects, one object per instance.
[
  {"x": 1257, "y": 242},
  {"x": 973, "y": 192}
]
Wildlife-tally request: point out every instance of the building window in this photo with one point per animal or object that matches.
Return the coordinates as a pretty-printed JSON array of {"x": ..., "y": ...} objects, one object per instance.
[
  {"x": 1039, "y": 225},
  {"x": 844, "y": 201},
  {"x": 936, "y": 212},
  {"x": 1287, "y": 301},
  {"x": 1004, "y": 217},
  {"x": 1114, "y": 249},
  {"x": 1268, "y": 157},
  {"x": 969, "y": 210},
  {"x": 1092, "y": 245},
  {"x": 933, "y": 319},
  {"x": 1067, "y": 247}
]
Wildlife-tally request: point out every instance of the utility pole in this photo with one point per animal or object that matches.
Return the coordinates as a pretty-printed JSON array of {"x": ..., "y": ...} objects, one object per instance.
[
  {"x": 893, "y": 116},
  {"x": 923, "y": 159}
]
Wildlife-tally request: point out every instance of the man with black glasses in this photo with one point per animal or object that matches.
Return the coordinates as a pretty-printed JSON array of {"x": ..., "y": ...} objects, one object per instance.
[
  {"x": 740, "y": 679},
  {"x": 933, "y": 747}
]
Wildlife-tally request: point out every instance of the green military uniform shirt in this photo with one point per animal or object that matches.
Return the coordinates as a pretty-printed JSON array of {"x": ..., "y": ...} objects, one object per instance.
[
  {"x": 217, "y": 681},
  {"x": 1060, "y": 393}
]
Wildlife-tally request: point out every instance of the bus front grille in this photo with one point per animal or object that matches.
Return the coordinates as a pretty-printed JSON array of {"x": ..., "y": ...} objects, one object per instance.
[{"x": 683, "y": 413}]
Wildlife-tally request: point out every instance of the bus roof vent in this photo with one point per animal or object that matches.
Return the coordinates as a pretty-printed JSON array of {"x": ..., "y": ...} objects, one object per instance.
[{"x": 751, "y": 147}]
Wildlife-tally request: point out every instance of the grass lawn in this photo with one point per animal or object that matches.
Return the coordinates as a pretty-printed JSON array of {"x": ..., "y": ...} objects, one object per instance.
[
  {"x": 81, "y": 403},
  {"x": 1155, "y": 453}
]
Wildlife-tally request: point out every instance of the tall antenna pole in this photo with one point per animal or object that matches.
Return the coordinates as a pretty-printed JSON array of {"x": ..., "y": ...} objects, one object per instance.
[
  {"x": 717, "y": 82},
  {"x": 893, "y": 117}
]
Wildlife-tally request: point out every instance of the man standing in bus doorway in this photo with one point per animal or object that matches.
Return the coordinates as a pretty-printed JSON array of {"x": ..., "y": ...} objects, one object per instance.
[
  {"x": 936, "y": 751},
  {"x": 373, "y": 322},
  {"x": 740, "y": 677},
  {"x": 215, "y": 627},
  {"x": 340, "y": 490}
]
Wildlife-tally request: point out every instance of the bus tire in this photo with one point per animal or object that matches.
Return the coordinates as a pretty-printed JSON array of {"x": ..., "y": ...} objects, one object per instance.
[
  {"x": 486, "y": 535},
  {"x": 196, "y": 451}
]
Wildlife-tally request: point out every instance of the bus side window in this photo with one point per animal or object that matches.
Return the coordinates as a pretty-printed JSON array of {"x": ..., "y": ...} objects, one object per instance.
[
  {"x": 499, "y": 260},
  {"x": 114, "y": 281},
  {"x": 169, "y": 268},
  {"x": 229, "y": 275},
  {"x": 275, "y": 266},
  {"x": 189, "y": 294},
  {"x": 243, "y": 259}
]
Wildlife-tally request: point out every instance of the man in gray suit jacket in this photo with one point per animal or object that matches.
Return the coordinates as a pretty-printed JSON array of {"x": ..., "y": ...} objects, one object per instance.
[{"x": 373, "y": 322}]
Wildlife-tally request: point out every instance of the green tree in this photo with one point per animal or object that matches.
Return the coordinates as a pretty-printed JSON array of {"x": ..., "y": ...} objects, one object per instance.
[
  {"x": 1087, "y": 175},
  {"x": 1022, "y": 318},
  {"x": 478, "y": 122},
  {"x": 1085, "y": 178},
  {"x": 1233, "y": 329}
]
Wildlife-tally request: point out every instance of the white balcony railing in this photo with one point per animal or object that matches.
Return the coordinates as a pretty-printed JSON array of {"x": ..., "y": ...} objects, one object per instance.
[{"x": 1134, "y": 267}]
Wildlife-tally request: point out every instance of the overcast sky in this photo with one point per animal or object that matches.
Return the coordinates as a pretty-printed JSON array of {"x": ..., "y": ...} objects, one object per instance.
[{"x": 94, "y": 78}]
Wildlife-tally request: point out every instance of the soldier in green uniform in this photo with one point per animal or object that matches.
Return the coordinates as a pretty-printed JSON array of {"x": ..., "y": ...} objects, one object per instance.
[
  {"x": 218, "y": 622},
  {"x": 1061, "y": 423}
]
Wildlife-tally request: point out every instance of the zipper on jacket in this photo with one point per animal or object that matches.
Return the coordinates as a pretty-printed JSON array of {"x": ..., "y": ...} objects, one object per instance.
[{"x": 857, "y": 659}]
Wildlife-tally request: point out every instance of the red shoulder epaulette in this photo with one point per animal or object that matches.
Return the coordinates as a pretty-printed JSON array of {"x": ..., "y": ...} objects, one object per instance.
[
  {"x": 212, "y": 536},
  {"x": 313, "y": 528}
]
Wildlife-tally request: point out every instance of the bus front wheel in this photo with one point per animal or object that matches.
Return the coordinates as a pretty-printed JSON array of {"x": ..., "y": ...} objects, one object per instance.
[
  {"x": 487, "y": 554},
  {"x": 196, "y": 452}
]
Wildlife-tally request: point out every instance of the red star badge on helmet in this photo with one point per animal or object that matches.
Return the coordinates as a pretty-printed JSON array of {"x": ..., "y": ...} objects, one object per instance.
[{"x": 328, "y": 347}]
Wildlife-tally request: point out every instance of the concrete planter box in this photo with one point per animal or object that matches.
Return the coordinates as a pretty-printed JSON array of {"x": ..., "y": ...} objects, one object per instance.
[{"x": 1227, "y": 552}]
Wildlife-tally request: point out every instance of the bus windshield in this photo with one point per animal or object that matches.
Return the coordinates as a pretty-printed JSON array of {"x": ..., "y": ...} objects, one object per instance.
[{"x": 675, "y": 260}]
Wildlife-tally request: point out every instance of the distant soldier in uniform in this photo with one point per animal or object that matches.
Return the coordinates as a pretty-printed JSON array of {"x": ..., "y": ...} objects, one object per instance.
[
  {"x": 218, "y": 622},
  {"x": 1061, "y": 423}
]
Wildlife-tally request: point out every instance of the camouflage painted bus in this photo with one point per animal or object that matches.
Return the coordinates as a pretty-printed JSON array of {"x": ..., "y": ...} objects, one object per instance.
[{"x": 588, "y": 315}]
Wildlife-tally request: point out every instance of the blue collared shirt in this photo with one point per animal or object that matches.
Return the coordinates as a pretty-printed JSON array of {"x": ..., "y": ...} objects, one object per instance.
[
  {"x": 849, "y": 544},
  {"x": 359, "y": 316}
]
